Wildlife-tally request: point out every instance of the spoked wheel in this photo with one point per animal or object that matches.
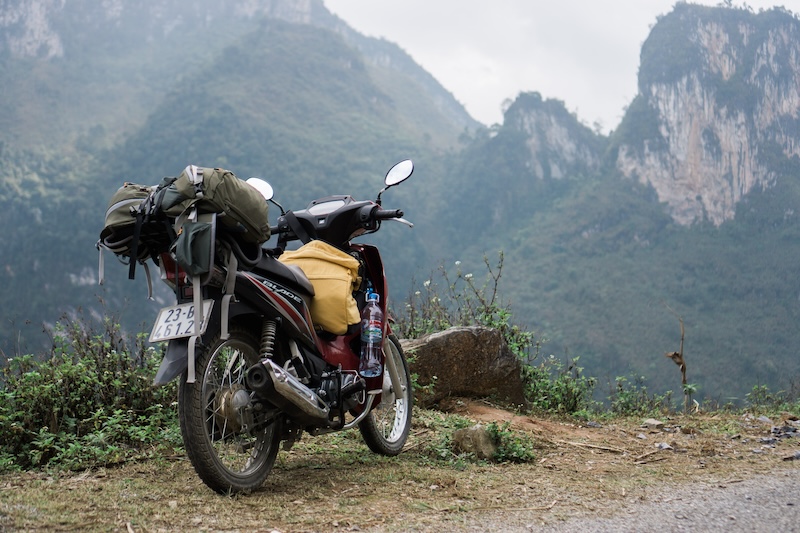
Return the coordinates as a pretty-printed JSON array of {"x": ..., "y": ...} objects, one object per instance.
[
  {"x": 386, "y": 428},
  {"x": 230, "y": 445}
]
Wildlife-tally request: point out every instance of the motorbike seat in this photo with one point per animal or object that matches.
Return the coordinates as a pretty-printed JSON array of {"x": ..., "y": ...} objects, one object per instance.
[{"x": 291, "y": 275}]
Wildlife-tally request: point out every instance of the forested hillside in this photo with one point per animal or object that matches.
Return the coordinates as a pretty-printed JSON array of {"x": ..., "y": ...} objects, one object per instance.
[
  {"x": 286, "y": 92},
  {"x": 686, "y": 211}
]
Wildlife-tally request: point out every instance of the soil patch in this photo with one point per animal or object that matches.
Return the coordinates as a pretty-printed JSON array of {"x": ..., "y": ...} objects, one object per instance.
[{"x": 334, "y": 483}]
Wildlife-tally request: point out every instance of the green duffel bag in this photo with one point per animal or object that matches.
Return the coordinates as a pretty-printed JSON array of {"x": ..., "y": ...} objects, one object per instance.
[{"x": 243, "y": 209}]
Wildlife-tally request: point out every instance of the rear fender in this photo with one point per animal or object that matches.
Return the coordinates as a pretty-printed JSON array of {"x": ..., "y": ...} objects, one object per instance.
[
  {"x": 176, "y": 358},
  {"x": 175, "y": 362}
]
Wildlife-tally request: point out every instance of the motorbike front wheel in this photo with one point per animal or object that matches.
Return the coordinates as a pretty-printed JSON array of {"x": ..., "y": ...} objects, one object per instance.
[
  {"x": 386, "y": 428},
  {"x": 230, "y": 445}
]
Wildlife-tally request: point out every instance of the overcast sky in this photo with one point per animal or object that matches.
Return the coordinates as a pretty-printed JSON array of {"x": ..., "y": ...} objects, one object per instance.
[{"x": 582, "y": 52}]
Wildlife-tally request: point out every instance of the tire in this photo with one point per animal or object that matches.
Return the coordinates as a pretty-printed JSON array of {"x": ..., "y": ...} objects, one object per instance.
[
  {"x": 386, "y": 427},
  {"x": 227, "y": 456}
]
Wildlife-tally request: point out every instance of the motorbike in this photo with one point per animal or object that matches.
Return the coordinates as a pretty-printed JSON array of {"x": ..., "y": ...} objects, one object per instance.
[{"x": 255, "y": 373}]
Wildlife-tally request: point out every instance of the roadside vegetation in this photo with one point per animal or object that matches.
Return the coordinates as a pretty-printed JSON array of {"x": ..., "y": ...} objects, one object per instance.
[{"x": 89, "y": 402}]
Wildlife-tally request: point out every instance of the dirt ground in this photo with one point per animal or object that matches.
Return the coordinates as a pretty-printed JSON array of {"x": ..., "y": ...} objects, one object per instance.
[{"x": 334, "y": 483}]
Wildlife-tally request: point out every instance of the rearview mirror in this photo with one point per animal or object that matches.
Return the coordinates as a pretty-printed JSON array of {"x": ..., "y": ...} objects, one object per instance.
[{"x": 399, "y": 173}]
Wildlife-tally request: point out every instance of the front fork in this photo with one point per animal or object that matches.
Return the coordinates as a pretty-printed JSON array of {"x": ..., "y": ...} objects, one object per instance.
[{"x": 391, "y": 368}]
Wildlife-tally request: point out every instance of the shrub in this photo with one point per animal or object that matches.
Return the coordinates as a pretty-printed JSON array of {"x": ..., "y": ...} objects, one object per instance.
[
  {"x": 457, "y": 299},
  {"x": 512, "y": 447},
  {"x": 632, "y": 398},
  {"x": 555, "y": 388},
  {"x": 460, "y": 301},
  {"x": 442, "y": 426},
  {"x": 89, "y": 401},
  {"x": 761, "y": 399}
]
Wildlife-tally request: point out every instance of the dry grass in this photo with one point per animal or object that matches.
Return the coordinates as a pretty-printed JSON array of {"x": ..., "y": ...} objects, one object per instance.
[{"x": 334, "y": 483}]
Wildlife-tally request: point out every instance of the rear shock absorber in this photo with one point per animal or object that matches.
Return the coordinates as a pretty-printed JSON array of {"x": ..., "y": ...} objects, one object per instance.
[
  {"x": 268, "y": 329},
  {"x": 266, "y": 351}
]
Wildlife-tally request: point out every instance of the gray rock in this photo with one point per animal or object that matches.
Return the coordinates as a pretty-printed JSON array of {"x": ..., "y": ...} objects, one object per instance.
[
  {"x": 652, "y": 423},
  {"x": 472, "y": 362},
  {"x": 475, "y": 439}
]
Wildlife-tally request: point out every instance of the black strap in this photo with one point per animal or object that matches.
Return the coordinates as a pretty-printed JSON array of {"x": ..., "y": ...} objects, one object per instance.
[
  {"x": 297, "y": 227},
  {"x": 142, "y": 215},
  {"x": 137, "y": 231}
]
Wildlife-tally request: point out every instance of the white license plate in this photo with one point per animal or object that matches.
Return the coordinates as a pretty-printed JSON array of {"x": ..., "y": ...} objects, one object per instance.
[{"x": 178, "y": 321}]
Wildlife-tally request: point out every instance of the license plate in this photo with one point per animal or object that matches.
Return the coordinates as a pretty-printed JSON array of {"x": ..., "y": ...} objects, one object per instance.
[{"x": 178, "y": 321}]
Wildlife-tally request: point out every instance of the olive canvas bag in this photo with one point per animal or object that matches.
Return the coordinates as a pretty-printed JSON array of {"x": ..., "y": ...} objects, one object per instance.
[{"x": 215, "y": 190}]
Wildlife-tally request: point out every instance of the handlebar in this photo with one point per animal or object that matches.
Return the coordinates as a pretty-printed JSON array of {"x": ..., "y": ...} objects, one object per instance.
[
  {"x": 383, "y": 214},
  {"x": 301, "y": 225}
]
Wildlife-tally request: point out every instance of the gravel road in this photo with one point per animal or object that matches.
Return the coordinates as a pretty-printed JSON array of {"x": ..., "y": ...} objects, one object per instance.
[{"x": 764, "y": 503}]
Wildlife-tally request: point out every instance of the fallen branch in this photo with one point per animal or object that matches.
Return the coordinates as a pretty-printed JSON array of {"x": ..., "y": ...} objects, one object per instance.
[
  {"x": 594, "y": 446},
  {"x": 644, "y": 455},
  {"x": 646, "y": 461}
]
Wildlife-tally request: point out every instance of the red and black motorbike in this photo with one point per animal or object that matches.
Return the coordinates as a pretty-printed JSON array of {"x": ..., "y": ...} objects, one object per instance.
[{"x": 254, "y": 370}]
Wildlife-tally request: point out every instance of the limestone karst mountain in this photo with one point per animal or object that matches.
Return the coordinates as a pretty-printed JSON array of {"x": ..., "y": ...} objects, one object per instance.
[{"x": 719, "y": 96}]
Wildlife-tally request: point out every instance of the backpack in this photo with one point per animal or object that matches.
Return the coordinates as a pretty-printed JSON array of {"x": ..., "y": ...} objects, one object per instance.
[
  {"x": 214, "y": 190},
  {"x": 118, "y": 231},
  {"x": 140, "y": 219}
]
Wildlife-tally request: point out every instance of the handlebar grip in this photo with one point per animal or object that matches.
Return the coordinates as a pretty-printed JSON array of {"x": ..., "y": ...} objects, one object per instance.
[{"x": 381, "y": 214}]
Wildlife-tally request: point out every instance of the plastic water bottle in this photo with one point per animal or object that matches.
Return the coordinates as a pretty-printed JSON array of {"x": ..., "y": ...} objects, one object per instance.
[{"x": 371, "y": 337}]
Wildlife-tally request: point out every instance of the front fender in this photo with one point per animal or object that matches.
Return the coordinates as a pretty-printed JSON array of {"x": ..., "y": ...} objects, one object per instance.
[{"x": 175, "y": 362}]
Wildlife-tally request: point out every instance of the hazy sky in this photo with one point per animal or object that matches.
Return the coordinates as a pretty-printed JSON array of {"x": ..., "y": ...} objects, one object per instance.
[{"x": 582, "y": 52}]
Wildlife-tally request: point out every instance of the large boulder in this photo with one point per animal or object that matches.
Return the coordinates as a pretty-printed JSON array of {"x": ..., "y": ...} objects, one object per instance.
[{"x": 473, "y": 362}]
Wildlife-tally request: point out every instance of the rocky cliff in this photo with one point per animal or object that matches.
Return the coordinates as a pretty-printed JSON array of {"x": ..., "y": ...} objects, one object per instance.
[
  {"x": 126, "y": 55},
  {"x": 558, "y": 145},
  {"x": 38, "y": 28},
  {"x": 718, "y": 109}
]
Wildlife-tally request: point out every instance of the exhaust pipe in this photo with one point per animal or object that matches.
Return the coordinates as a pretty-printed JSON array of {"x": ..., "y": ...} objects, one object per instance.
[{"x": 267, "y": 378}]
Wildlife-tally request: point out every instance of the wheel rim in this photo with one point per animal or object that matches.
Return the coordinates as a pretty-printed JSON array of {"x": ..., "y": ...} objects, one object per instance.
[
  {"x": 236, "y": 446},
  {"x": 392, "y": 413}
]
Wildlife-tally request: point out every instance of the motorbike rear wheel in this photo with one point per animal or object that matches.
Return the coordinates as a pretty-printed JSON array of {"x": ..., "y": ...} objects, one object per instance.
[
  {"x": 386, "y": 428},
  {"x": 231, "y": 448}
]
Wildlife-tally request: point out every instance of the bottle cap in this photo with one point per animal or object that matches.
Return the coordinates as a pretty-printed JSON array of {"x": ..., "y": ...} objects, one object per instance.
[{"x": 373, "y": 296}]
